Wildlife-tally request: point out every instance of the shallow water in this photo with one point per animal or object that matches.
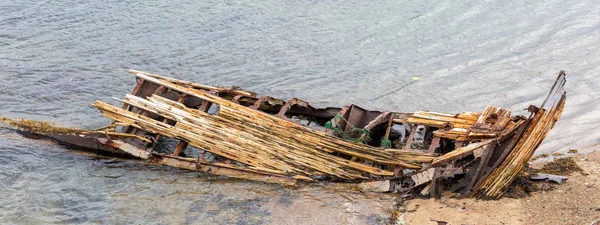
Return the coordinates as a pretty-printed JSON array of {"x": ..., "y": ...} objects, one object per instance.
[{"x": 57, "y": 57}]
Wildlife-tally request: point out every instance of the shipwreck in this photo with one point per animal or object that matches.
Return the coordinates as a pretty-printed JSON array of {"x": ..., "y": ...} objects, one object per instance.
[{"x": 236, "y": 133}]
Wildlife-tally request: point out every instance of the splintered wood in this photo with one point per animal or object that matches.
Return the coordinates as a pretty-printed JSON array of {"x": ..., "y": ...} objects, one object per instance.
[
  {"x": 544, "y": 119},
  {"x": 461, "y": 152},
  {"x": 273, "y": 144},
  {"x": 443, "y": 120},
  {"x": 257, "y": 139},
  {"x": 262, "y": 138}
]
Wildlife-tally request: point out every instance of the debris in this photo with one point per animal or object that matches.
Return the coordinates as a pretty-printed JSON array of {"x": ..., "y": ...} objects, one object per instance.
[
  {"x": 542, "y": 122},
  {"x": 573, "y": 151},
  {"x": 462, "y": 152},
  {"x": 549, "y": 177},
  {"x": 439, "y": 222},
  {"x": 426, "y": 190},
  {"x": 491, "y": 122},
  {"x": 286, "y": 141},
  {"x": 423, "y": 177}
]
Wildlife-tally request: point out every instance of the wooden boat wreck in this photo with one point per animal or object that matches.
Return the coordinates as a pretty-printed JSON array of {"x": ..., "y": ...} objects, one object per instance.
[{"x": 235, "y": 133}]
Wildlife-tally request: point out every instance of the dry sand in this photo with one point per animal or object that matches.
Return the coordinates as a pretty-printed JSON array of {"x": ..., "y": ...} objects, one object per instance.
[{"x": 575, "y": 202}]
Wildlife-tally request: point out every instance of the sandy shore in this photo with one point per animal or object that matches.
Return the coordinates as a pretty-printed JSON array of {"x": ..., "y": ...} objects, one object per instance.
[{"x": 575, "y": 202}]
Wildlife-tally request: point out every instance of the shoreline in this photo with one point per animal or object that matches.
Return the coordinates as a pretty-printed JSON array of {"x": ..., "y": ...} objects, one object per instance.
[{"x": 576, "y": 201}]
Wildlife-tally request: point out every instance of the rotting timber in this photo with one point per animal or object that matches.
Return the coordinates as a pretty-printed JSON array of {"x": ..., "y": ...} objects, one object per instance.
[{"x": 238, "y": 134}]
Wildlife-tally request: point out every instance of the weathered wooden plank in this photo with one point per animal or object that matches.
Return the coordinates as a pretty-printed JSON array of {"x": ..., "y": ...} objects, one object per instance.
[
  {"x": 461, "y": 152},
  {"x": 543, "y": 121},
  {"x": 279, "y": 132}
]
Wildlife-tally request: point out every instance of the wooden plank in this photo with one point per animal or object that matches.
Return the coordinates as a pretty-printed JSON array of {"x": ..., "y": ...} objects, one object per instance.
[
  {"x": 480, "y": 170},
  {"x": 191, "y": 140},
  {"x": 436, "y": 189},
  {"x": 423, "y": 176},
  {"x": 411, "y": 136},
  {"x": 132, "y": 150},
  {"x": 429, "y": 116},
  {"x": 181, "y": 146},
  {"x": 384, "y": 117},
  {"x": 194, "y": 85},
  {"x": 543, "y": 121},
  {"x": 288, "y": 105},
  {"x": 437, "y": 123},
  {"x": 136, "y": 89},
  {"x": 389, "y": 128},
  {"x": 461, "y": 152},
  {"x": 206, "y": 167},
  {"x": 492, "y": 119},
  {"x": 281, "y": 127},
  {"x": 434, "y": 144},
  {"x": 226, "y": 170}
]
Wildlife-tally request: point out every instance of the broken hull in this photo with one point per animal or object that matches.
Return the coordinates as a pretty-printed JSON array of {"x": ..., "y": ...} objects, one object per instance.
[{"x": 217, "y": 120}]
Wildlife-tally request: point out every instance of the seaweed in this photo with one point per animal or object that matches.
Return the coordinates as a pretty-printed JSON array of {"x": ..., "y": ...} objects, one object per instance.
[
  {"x": 561, "y": 166},
  {"x": 521, "y": 187},
  {"x": 39, "y": 127}
]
